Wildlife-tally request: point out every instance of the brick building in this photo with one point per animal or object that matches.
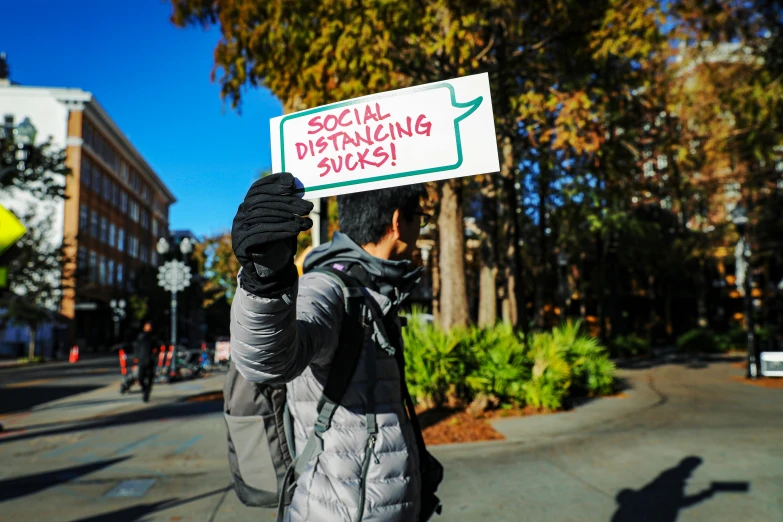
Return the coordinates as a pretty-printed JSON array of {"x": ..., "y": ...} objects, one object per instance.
[{"x": 115, "y": 210}]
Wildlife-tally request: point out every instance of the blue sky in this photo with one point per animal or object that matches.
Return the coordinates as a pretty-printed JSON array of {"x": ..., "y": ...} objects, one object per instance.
[{"x": 154, "y": 81}]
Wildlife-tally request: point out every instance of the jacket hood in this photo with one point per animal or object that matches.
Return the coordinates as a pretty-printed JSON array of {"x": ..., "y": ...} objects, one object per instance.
[{"x": 395, "y": 279}]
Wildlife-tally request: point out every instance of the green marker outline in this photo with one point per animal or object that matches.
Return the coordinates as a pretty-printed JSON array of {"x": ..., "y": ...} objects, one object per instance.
[{"x": 472, "y": 105}]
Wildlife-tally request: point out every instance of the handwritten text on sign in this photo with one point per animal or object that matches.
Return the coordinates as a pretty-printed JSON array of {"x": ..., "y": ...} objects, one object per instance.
[{"x": 406, "y": 136}]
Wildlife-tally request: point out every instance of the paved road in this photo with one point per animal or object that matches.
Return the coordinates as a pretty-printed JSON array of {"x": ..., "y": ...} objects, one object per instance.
[
  {"x": 24, "y": 387},
  {"x": 684, "y": 443}
]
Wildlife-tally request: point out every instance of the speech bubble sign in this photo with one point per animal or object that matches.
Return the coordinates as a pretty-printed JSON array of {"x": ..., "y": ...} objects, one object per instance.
[{"x": 424, "y": 133}]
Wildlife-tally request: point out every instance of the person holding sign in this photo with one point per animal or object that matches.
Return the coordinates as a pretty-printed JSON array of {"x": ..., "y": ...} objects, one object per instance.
[{"x": 334, "y": 336}]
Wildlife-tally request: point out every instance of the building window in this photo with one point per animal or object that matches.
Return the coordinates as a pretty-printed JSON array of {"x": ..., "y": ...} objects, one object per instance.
[
  {"x": 87, "y": 133},
  {"x": 124, "y": 202},
  {"x": 102, "y": 271},
  {"x": 107, "y": 183},
  {"x": 154, "y": 260},
  {"x": 154, "y": 227},
  {"x": 133, "y": 246},
  {"x": 115, "y": 194},
  {"x": 94, "y": 224},
  {"x": 110, "y": 274},
  {"x": 97, "y": 178},
  {"x": 112, "y": 232},
  {"x": 93, "y": 266},
  {"x": 104, "y": 230},
  {"x": 145, "y": 193},
  {"x": 121, "y": 240},
  {"x": 145, "y": 219},
  {"x": 81, "y": 261},
  {"x": 119, "y": 274},
  {"x": 144, "y": 254},
  {"x": 84, "y": 218},
  {"x": 134, "y": 211},
  {"x": 124, "y": 171},
  {"x": 86, "y": 174}
]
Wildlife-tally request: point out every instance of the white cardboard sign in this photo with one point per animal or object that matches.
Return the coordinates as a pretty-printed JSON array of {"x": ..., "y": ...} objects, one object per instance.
[{"x": 430, "y": 132}]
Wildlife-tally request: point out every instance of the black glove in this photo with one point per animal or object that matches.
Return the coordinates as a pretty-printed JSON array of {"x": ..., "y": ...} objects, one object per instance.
[{"x": 264, "y": 234}]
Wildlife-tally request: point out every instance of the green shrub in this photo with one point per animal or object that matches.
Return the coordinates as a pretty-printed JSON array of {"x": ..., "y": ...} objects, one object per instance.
[
  {"x": 550, "y": 374},
  {"x": 26, "y": 360},
  {"x": 734, "y": 339},
  {"x": 497, "y": 365},
  {"x": 629, "y": 346},
  {"x": 434, "y": 364},
  {"x": 698, "y": 340},
  {"x": 592, "y": 371}
]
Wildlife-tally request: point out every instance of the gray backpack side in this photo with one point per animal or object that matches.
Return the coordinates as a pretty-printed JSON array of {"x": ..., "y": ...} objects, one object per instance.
[
  {"x": 258, "y": 453},
  {"x": 260, "y": 433}
]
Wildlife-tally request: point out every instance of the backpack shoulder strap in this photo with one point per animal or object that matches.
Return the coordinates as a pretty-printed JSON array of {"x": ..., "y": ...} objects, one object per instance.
[{"x": 343, "y": 365}]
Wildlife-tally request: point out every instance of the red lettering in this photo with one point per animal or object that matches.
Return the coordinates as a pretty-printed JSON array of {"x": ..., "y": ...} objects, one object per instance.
[
  {"x": 333, "y": 120},
  {"x": 378, "y": 110},
  {"x": 402, "y": 131},
  {"x": 312, "y": 151},
  {"x": 381, "y": 155},
  {"x": 324, "y": 164},
  {"x": 337, "y": 167},
  {"x": 346, "y": 163},
  {"x": 423, "y": 126},
  {"x": 377, "y": 139},
  {"x": 366, "y": 139},
  {"x": 301, "y": 150},
  {"x": 334, "y": 137},
  {"x": 348, "y": 141},
  {"x": 315, "y": 122},
  {"x": 321, "y": 144},
  {"x": 368, "y": 114},
  {"x": 342, "y": 115},
  {"x": 363, "y": 159}
]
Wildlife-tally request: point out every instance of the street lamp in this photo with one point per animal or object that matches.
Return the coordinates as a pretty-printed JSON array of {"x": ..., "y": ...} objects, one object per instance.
[
  {"x": 174, "y": 276},
  {"x": 744, "y": 275},
  {"x": 118, "y": 314}
]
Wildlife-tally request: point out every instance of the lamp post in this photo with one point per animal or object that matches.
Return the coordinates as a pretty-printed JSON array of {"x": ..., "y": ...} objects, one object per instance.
[
  {"x": 174, "y": 276},
  {"x": 24, "y": 138},
  {"x": 118, "y": 314},
  {"x": 739, "y": 217}
]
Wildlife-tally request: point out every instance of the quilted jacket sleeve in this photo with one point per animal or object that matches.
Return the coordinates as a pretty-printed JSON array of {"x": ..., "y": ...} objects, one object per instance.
[{"x": 273, "y": 340}]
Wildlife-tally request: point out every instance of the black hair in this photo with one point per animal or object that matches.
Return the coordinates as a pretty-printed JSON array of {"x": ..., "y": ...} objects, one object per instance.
[{"x": 366, "y": 217}]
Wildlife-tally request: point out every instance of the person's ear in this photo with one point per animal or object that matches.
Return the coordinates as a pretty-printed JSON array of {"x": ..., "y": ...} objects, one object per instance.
[{"x": 395, "y": 228}]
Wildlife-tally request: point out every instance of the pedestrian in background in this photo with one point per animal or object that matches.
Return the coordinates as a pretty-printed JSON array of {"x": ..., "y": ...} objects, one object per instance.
[{"x": 144, "y": 351}]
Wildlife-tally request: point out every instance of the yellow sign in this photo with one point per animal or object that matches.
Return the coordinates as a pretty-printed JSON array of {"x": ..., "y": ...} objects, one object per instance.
[{"x": 11, "y": 229}]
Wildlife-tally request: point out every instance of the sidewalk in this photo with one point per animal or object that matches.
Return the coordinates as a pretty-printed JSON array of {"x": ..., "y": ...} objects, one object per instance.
[{"x": 107, "y": 401}]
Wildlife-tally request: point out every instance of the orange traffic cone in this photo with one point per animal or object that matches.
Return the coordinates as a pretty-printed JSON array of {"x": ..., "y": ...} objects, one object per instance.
[{"x": 74, "y": 356}]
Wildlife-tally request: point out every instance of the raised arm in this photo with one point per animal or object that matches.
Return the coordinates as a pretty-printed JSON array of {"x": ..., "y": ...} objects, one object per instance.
[{"x": 274, "y": 339}]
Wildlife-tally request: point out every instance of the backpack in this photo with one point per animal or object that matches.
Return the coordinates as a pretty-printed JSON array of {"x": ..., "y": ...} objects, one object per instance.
[
  {"x": 259, "y": 427},
  {"x": 262, "y": 457}
]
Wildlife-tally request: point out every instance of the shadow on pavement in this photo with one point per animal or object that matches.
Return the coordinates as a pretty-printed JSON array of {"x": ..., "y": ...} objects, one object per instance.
[
  {"x": 662, "y": 499},
  {"x": 139, "y": 511},
  {"x": 689, "y": 361},
  {"x": 29, "y": 484},
  {"x": 23, "y": 398},
  {"x": 177, "y": 410}
]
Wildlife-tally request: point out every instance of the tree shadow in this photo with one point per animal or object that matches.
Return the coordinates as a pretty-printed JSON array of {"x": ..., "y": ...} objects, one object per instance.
[
  {"x": 156, "y": 413},
  {"x": 662, "y": 499},
  {"x": 139, "y": 511},
  {"x": 692, "y": 361},
  {"x": 23, "y": 398},
  {"x": 29, "y": 484}
]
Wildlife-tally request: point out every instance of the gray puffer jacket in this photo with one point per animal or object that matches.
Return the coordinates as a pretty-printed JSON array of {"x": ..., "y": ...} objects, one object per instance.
[{"x": 292, "y": 339}]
